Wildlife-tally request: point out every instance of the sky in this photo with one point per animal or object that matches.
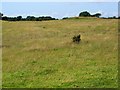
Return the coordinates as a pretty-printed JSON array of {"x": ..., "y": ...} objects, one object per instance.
[
  {"x": 58, "y": 9},
  {"x": 60, "y": 0}
]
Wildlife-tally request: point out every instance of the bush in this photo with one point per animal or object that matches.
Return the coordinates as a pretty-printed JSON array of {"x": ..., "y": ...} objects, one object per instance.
[
  {"x": 84, "y": 14},
  {"x": 76, "y": 39}
]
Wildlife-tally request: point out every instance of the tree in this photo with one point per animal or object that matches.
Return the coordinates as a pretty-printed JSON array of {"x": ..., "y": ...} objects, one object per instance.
[
  {"x": 4, "y": 18},
  {"x": 19, "y": 18},
  {"x": 97, "y": 15},
  {"x": 114, "y": 17},
  {"x": 85, "y": 14},
  {"x": 30, "y": 18},
  {"x": 1, "y": 16},
  {"x": 11, "y": 19},
  {"x": 65, "y": 18}
]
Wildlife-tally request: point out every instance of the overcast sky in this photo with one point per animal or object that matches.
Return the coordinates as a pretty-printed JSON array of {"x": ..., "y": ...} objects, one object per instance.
[{"x": 58, "y": 9}]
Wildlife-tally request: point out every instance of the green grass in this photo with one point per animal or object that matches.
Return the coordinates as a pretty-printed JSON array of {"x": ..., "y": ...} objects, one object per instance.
[{"x": 42, "y": 54}]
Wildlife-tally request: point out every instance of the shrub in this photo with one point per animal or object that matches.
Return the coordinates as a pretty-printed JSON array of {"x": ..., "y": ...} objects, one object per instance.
[{"x": 76, "y": 39}]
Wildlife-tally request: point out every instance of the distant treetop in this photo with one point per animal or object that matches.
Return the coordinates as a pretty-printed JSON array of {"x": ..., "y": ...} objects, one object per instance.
[
  {"x": 84, "y": 14},
  {"x": 28, "y": 18},
  {"x": 87, "y": 14}
]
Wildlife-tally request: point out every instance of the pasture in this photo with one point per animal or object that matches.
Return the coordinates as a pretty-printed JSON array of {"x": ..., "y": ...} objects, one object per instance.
[{"x": 41, "y": 54}]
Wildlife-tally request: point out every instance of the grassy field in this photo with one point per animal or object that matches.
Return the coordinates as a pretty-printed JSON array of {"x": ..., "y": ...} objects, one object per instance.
[{"x": 41, "y": 54}]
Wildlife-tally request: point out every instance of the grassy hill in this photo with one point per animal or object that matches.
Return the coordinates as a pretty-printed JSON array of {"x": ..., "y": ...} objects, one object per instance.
[{"x": 41, "y": 53}]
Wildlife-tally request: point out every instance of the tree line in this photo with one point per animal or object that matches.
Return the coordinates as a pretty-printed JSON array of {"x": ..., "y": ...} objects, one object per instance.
[
  {"x": 87, "y": 14},
  {"x": 28, "y": 18},
  {"x": 44, "y": 18}
]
